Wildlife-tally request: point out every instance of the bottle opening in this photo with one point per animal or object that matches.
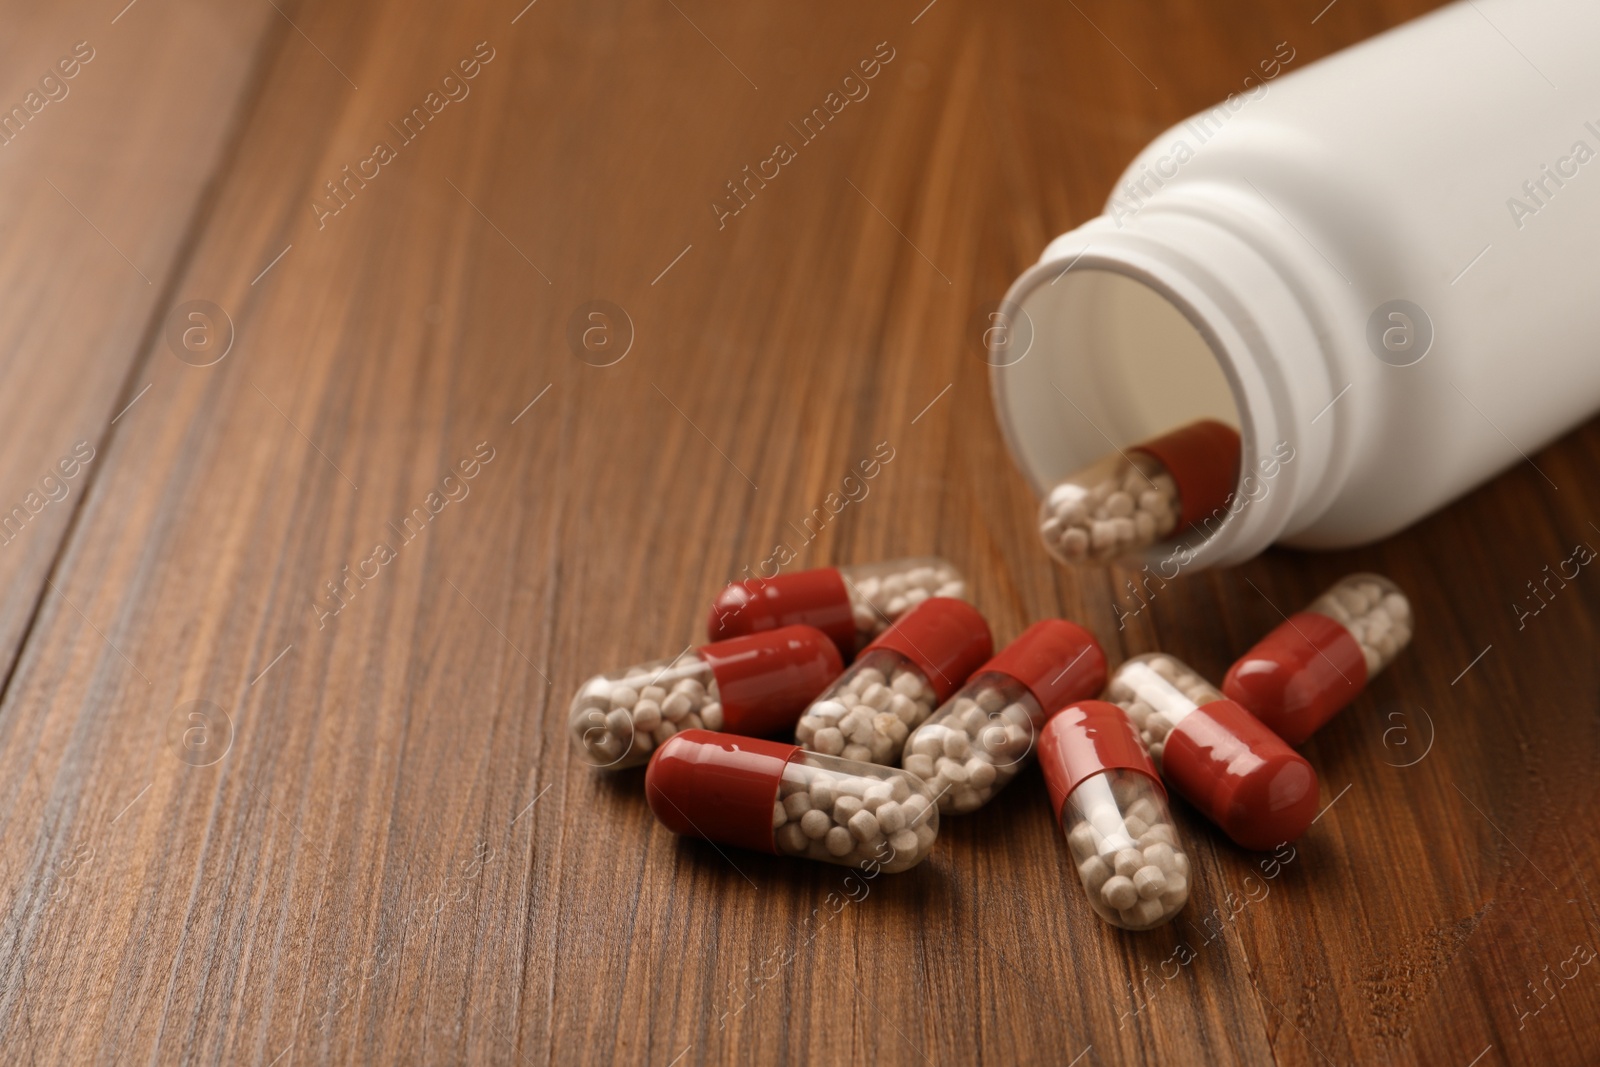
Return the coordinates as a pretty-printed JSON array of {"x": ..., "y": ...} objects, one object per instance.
[
  {"x": 1121, "y": 414},
  {"x": 1112, "y": 363}
]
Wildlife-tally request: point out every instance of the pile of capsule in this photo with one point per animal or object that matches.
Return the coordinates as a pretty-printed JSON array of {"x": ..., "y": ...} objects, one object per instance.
[{"x": 900, "y": 712}]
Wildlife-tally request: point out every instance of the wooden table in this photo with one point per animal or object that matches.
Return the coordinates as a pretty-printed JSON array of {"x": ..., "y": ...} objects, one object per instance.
[{"x": 272, "y": 795}]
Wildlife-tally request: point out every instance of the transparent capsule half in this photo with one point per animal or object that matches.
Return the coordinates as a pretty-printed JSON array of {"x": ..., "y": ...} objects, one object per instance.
[
  {"x": 882, "y": 592},
  {"x": 851, "y": 604},
  {"x": 896, "y": 682},
  {"x": 1158, "y": 692},
  {"x": 778, "y": 798},
  {"x": 978, "y": 741},
  {"x": 1316, "y": 661},
  {"x": 1374, "y": 611},
  {"x": 1131, "y": 499},
  {"x": 1215, "y": 754},
  {"x": 1113, "y": 809},
  {"x": 755, "y": 685}
]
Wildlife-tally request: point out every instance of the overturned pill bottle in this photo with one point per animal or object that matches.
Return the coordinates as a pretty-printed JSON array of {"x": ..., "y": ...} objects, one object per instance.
[
  {"x": 894, "y": 685},
  {"x": 1315, "y": 261},
  {"x": 850, "y": 604},
  {"x": 754, "y": 685},
  {"x": 1316, "y": 661},
  {"x": 978, "y": 740},
  {"x": 1110, "y": 802},
  {"x": 1130, "y": 499},
  {"x": 779, "y": 798},
  {"x": 1219, "y": 757}
]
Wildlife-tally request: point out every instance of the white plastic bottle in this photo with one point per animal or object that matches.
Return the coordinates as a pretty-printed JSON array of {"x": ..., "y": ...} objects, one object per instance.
[{"x": 1382, "y": 268}]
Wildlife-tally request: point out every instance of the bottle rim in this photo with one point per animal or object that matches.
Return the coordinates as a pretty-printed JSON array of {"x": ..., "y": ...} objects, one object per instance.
[{"x": 1206, "y": 271}]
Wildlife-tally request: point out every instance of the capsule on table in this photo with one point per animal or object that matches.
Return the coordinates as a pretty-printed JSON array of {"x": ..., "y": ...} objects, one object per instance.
[
  {"x": 852, "y": 604},
  {"x": 746, "y": 685},
  {"x": 779, "y": 798},
  {"x": 1219, "y": 757},
  {"x": 1298, "y": 677},
  {"x": 1108, "y": 799},
  {"x": 978, "y": 740},
  {"x": 1128, "y": 500},
  {"x": 894, "y": 685}
]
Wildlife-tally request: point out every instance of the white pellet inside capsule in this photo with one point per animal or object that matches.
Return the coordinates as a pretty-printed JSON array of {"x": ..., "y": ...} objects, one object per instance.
[
  {"x": 882, "y": 592},
  {"x": 868, "y": 714},
  {"x": 1158, "y": 693},
  {"x": 620, "y": 718},
  {"x": 1126, "y": 850},
  {"x": 1376, "y": 613},
  {"x": 1121, "y": 503},
  {"x": 830, "y": 812}
]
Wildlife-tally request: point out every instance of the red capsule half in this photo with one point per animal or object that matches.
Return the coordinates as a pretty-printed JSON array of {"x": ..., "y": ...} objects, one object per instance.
[
  {"x": 1241, "y": 775},
  {"x": 946, "y": 639},
  {"x": 767, "y": 679},
  {"x": 758, "y": 684},
  {"x": 1111, "y": 804},
  {"x": 1058, "y": 661},
  {"x": 850, "y": 604},
  {"x": 1203, "y": 459},
  {"x": 718, "y": 787},
  {"x": 815, "y": 597},
  {"x": 1302, "y": 673},
  {"x": 777, "y": 798},
  {"x": 1088, "y": 738}
]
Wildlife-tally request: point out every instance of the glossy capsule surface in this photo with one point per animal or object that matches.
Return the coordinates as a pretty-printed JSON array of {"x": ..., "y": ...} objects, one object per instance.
[
  {"x": 1215, "y": 754},
  {"x": 1110, "y": 802},
  {"x": 851, "y": 604},
  {"x": 1318, "y": 660},
  {"x": 754, "y": 685},
  {"x": 778, "y": 798}
]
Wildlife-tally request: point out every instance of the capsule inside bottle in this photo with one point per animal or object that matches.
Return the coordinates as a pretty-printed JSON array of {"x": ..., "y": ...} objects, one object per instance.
[
  {"x": 978, "y": 741},
  {"x": 851, "y": 604},
  {"x": 756, "y": 685},
  {"x": 1309, "y": 667},
  {"x": 1131, "y": 499},
  {"x": 780, "y": 799},
  {"x": 1112, "y": 807},
  {"x": 1220, "y": 758},
  {"x": 896, "y": 682}
]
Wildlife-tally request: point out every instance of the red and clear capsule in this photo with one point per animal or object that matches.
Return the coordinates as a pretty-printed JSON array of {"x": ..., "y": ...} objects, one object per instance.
[
  {"x": 1128, "y": 500},
  {"x": 851, "y": 604},
  {"x": 1302, "y": 673},
  {"x": 755, "y": 685},
  {"x": 1110, "y": 802},
  {"x": 978, "y": 740},
  {"x": 1219, "y": 757},
  {"x": 779, "y": 798},
  {"x": 894, "y": 685}
]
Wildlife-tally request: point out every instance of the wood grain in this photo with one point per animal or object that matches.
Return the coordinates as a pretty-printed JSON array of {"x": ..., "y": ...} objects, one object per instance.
[
  {"x": 375, "y": 843},
  {"x": 102, "y": 181}
]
